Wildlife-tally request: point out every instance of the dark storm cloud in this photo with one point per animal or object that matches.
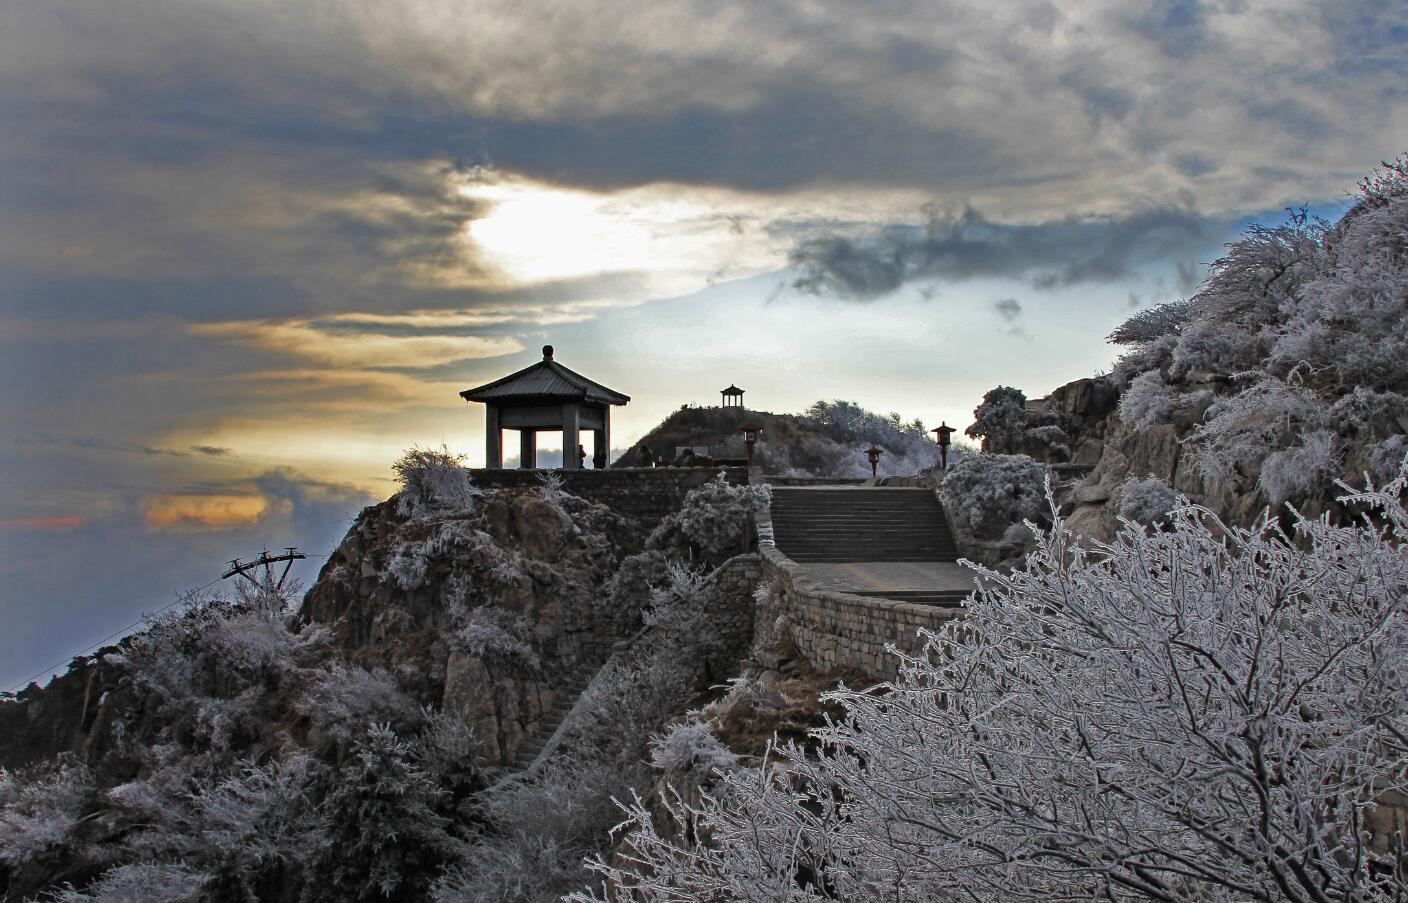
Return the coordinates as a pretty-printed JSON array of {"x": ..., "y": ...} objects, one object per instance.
[
  {"x": 91, "y": 443},
  {"x": 1008, "y": 309},
  {"x": 1049, "y": 255}
]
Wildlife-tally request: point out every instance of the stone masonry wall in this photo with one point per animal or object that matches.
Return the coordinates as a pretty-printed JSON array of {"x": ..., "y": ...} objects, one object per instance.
[
  {"x": 845, "y": 632},
  {"x": 731, "y": 589},
  {"x": 646, "y": 494}
]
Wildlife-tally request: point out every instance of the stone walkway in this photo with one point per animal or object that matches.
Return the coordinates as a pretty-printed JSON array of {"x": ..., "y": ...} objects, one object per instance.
[{"x": 876, "y": 577}]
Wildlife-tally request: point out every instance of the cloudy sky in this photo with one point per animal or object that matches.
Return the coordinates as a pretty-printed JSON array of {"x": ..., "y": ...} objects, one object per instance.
[{"x": 250, "y": 251}]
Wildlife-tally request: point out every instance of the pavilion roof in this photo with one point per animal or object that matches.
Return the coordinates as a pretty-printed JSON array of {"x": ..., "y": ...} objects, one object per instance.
[
  {"x": 547, "y": 379},
  {"x": 731, "y": 390}
]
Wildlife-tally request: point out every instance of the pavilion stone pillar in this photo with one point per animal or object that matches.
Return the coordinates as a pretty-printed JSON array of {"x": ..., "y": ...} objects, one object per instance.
[
  {"x": 571, "y": 437},
  {"x": 493, "y": 438},
  {"x": 601, "y": 441},
  {"x": 527, "y": 448}
]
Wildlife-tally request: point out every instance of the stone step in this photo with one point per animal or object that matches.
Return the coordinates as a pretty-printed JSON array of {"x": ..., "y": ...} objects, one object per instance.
[{"x": 861, "y": 524}]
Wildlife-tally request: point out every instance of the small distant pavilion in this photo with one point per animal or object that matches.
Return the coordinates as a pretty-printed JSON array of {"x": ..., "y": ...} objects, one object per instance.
[
  {"x": 732, "y": 396},
  {"x": 546, "y": 396}
]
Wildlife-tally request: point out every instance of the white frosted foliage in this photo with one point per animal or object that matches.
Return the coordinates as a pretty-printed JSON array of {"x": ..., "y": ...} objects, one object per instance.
[{"x": 1200, "y": 713}]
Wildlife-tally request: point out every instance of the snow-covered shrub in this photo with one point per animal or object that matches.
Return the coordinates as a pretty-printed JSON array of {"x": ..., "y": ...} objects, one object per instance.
[
  {"x": 1240, "y": 430},
  {"x": 1143, "y": 358},
  {"x": 407, "y": 566},
  {"x": 1202, "y": 713},
  {"x": 228, "y": 829},
  {"x": 1388, "y": 456},
  {"x": 753, "y": 693},
  {"x": 498, "y": 634},
  {"x": 251, "y": 640},
  {"x": 1047, "y": 435},
  {"x": 1148, "y": 400},
  {"x": 433, "y": 479},
  {"x": 38, "y": 812},
  {"x": 1261, "y": 274},
  {"x": 142, "y": 882},
  {"x": 448, "y": 748},
  {"x": 679, "y": 610},
  {"x": 409, "y": 563},
  {"x": 1215, "y": 347},
  {"x": 344, "y": 701},
  {"x": 715, "y": 518},
  {"x": 999, "y": 419},
  {"x": 1301, "y": 468},
  {"x": 551, "y": 489},
  {"x": 989, "y": 493},
  {"x": 378, "y": 827},
  {"x": 1146, "y": 501},
  {"x": 687, "y": 746}
]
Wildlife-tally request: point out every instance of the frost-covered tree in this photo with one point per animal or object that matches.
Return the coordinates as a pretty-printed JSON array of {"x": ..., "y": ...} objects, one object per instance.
[
  {"x": 716, "y": 519},
  {"x": 987, "y": 494},
  {"x": 1204, "y": 713},
  {"x": 39, "y": 811},
  {"x": 1302, "y": 329},
  {"x": 999, "y": 419},
  {"x": 1152, "y": 324},
  {"x": 379, "y": 831}
]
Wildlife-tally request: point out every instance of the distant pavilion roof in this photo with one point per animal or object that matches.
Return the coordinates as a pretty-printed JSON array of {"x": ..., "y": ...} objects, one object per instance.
[
  {"x": 732, "y": 390},
  {"x": 547, "y": 379}
]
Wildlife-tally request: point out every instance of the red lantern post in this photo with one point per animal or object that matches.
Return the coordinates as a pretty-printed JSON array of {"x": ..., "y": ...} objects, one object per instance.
[
  {"x": 944, "y": 431},
  {"x": 751, "y": 432},
  {"x": 873, "y": 454}
]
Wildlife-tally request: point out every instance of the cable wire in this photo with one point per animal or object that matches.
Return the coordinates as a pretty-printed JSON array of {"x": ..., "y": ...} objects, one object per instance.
[{"x": 49, "y": 670}]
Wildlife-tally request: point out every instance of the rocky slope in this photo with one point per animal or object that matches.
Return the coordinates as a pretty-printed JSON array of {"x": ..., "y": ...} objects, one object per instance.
[{"x": 429, "y": 651}]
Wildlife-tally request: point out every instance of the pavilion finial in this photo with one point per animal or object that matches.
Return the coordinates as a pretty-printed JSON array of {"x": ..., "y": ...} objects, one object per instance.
[{"x": 547, "y": 352}]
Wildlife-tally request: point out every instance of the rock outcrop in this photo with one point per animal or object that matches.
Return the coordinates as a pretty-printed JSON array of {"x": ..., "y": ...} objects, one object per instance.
[{"x": 427, "y": 599}]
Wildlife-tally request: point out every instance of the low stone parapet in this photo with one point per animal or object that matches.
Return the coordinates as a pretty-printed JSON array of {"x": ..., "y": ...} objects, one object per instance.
[{"x": 838, "y": 631}]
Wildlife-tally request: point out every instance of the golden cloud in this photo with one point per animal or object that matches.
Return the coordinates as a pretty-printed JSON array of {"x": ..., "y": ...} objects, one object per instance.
[
  {"x": 318, "y": 341},
  {"x": 195, "y": 512}
]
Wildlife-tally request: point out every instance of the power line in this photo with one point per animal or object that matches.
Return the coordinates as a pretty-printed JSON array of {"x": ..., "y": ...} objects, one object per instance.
[
  {"x": 130, "y": 627},
  {"x": 113, "y": 636}
]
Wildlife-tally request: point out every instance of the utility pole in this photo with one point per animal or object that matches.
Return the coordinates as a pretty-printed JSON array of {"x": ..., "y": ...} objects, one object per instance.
[{"x": 267, "y": 561}]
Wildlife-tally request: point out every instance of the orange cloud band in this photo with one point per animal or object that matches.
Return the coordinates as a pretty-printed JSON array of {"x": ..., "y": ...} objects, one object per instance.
[
  {"x": 61, "y": 522},
  {"x": 202, "y": 512}
]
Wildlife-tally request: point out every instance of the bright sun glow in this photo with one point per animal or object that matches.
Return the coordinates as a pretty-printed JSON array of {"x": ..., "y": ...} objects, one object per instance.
[{"x": 538, "y": 232}]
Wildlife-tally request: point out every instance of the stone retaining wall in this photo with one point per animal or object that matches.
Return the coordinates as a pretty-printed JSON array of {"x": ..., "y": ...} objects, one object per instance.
[
  {"x": 731, "y": 589},
  {"x": 844, "y": 632},
  {"x": 647, "y": 494}
]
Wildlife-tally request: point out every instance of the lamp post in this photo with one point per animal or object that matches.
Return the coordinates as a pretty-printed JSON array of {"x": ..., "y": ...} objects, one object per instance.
[
  {"x": 751, "y": 431},
  {"x": 872, "y": 455},
  {"x": 944, "y": 431}
]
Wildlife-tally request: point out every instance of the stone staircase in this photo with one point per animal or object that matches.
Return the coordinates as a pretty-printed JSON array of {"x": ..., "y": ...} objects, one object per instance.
[
  {"x": 815, "y": 525},
  {"x": 594, "y": 656}
]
